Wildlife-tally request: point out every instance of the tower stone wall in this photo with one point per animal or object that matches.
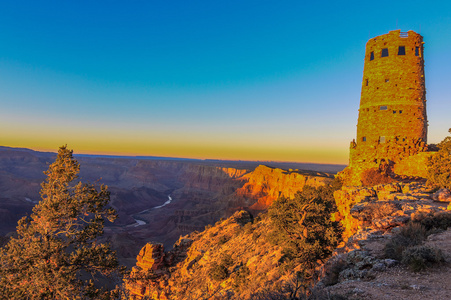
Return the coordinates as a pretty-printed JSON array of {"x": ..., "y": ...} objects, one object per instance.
[{"x": 392, "y": 122}]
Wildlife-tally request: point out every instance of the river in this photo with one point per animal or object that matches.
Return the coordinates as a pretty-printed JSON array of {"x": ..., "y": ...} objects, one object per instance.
[{"x": 141, "y": 222}]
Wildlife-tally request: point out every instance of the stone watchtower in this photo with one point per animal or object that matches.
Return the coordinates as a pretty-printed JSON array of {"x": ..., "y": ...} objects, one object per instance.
[{"x": 392, "y": 123}]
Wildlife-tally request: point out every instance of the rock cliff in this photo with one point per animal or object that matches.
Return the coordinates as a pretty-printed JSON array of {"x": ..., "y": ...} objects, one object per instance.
[
  {"x": 266, "y": 184},
  {"x": 383, "y": 207},
  {"x": 235, "y": 259},
  {"x": 231, "y": 259}
]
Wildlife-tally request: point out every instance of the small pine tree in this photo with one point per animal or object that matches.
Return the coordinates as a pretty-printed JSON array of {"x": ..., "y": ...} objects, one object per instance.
[{"x": 56, "y": 254}]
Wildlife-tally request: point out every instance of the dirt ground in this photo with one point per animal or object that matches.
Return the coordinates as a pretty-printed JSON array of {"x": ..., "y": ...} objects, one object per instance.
[{"x": 401, "y": 283}]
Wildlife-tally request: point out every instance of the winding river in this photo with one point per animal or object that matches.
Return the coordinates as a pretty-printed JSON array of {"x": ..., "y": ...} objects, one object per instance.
[{"x": 141, "y": 222}]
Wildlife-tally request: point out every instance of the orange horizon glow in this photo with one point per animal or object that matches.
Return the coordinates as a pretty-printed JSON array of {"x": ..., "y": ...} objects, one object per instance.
[
  {"x": 203, "y": 153},
  {"x": 199, "y": 143}
]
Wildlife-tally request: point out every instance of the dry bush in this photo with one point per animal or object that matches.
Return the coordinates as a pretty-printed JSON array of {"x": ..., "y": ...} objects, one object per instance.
[
  {"x": 410, "y": 235},
  {"x": 218, "y": 272},
  {"x": 374, "y": 176},
  {"x": 438, "y": 220},
  {"x": 420, "y": 257}
]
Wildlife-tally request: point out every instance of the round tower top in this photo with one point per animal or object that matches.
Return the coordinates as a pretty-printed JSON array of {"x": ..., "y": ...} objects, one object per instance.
[{"x": 394, "y": 35}]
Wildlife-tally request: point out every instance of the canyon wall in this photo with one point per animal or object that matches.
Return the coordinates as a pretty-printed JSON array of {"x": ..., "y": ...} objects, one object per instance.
[{"x": 266, "y": 184}]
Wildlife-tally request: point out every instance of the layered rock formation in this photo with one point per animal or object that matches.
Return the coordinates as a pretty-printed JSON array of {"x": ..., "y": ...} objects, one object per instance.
[{"x": 266, "y": 184}]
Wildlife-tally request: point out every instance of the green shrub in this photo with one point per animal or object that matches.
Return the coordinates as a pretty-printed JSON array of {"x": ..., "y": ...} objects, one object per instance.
[
  {"x": 439, "y": 165},
  {"x": 440, "y": 220},
  {"x": 410, "y": 235},
  {"x": 223, "y": 239},
  {"x": 242, "y": 276},
  {"x": 218, "y": 272},
  {"x": 419, "y": 257},
  {"x": 226, "y": 260},
  {"x": 303, "y": 227}
]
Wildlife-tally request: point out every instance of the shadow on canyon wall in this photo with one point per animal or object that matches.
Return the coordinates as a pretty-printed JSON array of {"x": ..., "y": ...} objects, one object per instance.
[{"x": 157, "y": 199}]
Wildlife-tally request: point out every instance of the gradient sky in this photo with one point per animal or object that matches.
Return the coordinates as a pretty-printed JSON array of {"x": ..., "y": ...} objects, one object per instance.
[{"x": 249, "y": 80}]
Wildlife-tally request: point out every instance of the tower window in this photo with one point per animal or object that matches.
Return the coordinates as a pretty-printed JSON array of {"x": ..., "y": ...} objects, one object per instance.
[
  {"x": 364, "y": 139},
  {"x": 382, "y": 139},
  {"x": 417, "y": 51},
  {"x": 402, "y": 50},
  {"x": 366, "y": 82},
  {"x": 371, "y": 55},
  {"x": 387, "y": 80},
  {"x": 400, "y": 111},
  {"x": 384, "y": 107},
  {"x": 384, "y": 52},
  {"x": 394, "y": 111}
]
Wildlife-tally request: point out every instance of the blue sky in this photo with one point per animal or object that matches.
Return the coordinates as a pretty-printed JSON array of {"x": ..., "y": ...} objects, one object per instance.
[{"x": 260, "y": 80}]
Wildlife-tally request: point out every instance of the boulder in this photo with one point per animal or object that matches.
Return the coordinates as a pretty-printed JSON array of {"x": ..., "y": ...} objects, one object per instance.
[
  {"x": 442, "y": 195},
  {"x": 151, "y": 257}
]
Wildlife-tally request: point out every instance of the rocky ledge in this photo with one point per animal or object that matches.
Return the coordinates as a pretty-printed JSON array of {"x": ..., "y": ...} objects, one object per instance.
[
  {"x": 373, "y": 218},
  {"x": 386, "y": 206}
]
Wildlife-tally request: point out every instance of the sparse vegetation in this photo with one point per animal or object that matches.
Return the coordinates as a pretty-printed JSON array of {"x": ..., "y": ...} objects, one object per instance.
[
  {"x": 410, "y": 235},
  {"x": 433, "y": 222},
  {"x": 223, "y": 239},
  {"x": 406, "y": 247},
  {"x": 56, "y": 254},
  {"x": 218, "y": 272},
  {"x": 420, "y": 257},
  {"x": 242, "y": 277},
  {"x": 439, "y": 165},
  {"x": 375, "y": 176}
]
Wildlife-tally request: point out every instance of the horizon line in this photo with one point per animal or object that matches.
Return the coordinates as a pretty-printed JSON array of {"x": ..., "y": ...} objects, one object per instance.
[{"x": 131, "y": 156}]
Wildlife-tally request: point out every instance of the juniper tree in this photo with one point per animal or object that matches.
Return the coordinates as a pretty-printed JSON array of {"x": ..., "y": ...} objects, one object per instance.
[
  {"x": 56, "y": 253},
  {"x": 303, "y": 225}
]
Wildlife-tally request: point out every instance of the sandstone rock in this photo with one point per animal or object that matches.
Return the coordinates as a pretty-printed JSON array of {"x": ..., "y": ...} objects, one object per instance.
[
  {"x": 389, "y": 208},
  {"x": 442, "y": 195},
  {"x": 151, "y": 257},
  {"x": 266, "y": 184},
  {"x": 390, "y": 222}
]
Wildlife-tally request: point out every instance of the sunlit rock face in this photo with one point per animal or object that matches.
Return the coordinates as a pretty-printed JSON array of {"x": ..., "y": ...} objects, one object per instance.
[
  {"x": 267, "y": 184},
  {"x": 369, "y": 216},
  {"x": 383, "y": 207},
  {"x": 187, "y": 271},
  {"x": 392, "y": 123}
]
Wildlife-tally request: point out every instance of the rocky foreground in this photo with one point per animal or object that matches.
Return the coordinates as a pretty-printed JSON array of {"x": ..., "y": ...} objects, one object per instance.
[
  {"x": 236, "y": 259},
  {"x": 373, "y": 217}
]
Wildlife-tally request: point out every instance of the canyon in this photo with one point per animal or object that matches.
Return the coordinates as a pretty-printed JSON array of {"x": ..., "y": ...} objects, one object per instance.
[{"x": 157, "y": 199}]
